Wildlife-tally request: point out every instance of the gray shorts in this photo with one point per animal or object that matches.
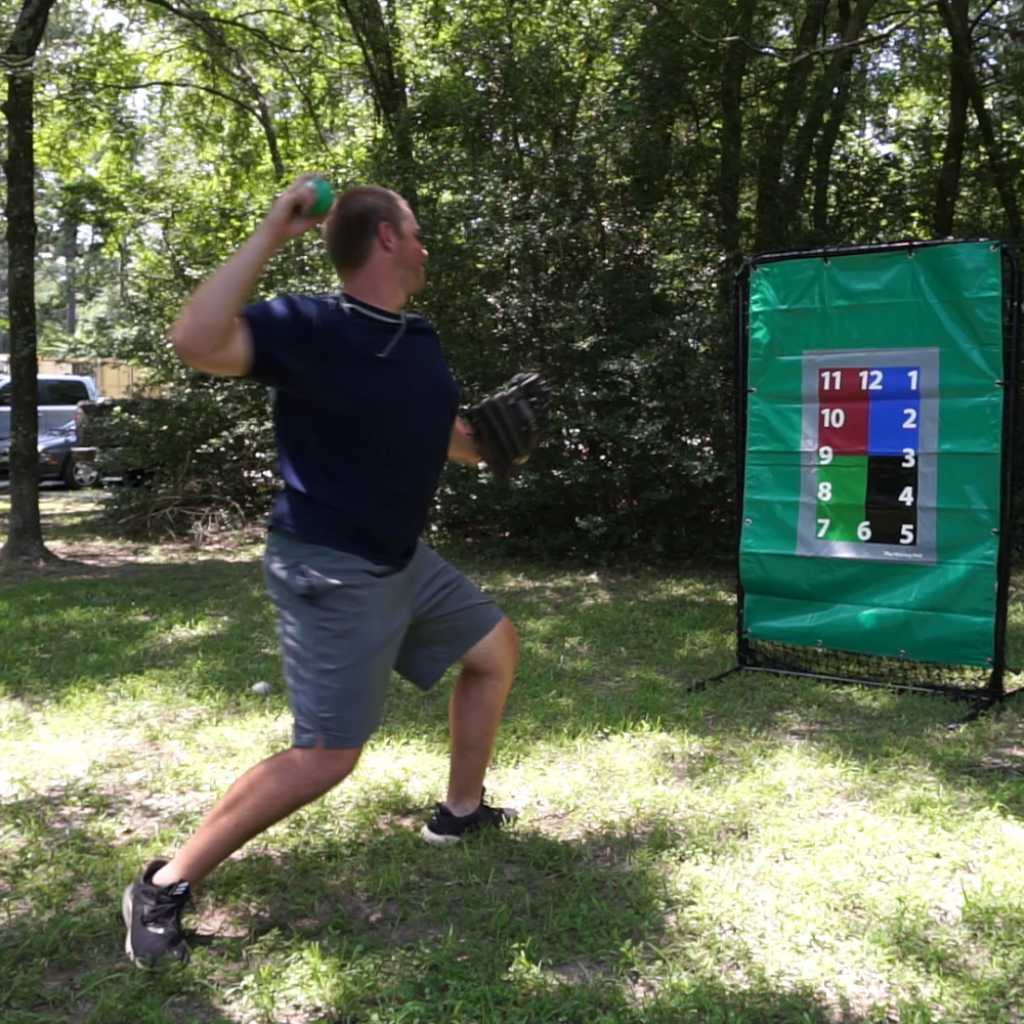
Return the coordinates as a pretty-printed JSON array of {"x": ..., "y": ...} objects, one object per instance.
[{"x": 345, "y": 624}]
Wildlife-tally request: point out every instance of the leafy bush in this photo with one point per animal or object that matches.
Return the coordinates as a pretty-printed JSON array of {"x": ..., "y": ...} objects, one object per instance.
[{"x": 195, "y": 461}]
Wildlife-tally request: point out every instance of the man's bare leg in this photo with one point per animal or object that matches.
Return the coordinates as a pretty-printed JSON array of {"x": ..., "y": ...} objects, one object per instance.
[
  {"x": 474, "y": 712},
  {"x": 264, "y": 795}
]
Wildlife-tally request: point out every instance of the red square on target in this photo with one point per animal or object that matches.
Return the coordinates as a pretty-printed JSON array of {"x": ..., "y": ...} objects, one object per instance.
[{"x": 843, "y": 410}]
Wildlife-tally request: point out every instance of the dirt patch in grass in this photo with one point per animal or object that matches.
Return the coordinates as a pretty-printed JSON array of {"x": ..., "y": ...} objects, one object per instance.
[{"x": 84, "y": 545}]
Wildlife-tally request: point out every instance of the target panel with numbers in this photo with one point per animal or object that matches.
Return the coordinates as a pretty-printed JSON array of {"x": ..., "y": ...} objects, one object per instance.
[
  {"x": 870, "y": 437},
  {"x": 876, "y": 442}
]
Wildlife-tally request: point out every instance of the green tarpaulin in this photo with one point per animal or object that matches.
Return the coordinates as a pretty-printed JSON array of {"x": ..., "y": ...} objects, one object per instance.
[{"x": 871, "y": 500}]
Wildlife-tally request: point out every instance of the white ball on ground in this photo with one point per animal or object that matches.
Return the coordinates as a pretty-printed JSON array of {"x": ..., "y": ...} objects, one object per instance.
[{"x": 261, "y": 688}]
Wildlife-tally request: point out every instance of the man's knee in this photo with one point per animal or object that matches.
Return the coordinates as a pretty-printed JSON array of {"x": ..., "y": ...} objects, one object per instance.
[
  {"x": 496, "y": 654},
  {"x": 326, "y": 765}
]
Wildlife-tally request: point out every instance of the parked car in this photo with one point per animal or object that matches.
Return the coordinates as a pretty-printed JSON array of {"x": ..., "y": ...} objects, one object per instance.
[
  {"x": 100, "y": 428},
  {"x": 58, "y": 396},
  {"x": 56, "y": 459}
]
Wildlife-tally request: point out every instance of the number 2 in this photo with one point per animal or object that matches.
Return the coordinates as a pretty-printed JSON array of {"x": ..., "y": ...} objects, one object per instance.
[{"x": 911, "y": 421}]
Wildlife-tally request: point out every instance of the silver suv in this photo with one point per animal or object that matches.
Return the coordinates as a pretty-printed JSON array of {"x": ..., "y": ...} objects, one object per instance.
[{"x": 58, "y": 395}]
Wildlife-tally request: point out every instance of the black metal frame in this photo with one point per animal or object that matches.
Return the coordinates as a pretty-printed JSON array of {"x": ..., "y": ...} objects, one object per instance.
[{"x": 994, "y": 690}]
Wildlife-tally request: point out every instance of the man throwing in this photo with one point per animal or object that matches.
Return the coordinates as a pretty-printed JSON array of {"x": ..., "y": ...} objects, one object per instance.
[{"x": 366, "y": 415}]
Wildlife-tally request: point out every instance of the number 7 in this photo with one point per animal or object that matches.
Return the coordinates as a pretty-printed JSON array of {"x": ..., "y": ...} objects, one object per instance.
[{"x": 823, "y": 525}]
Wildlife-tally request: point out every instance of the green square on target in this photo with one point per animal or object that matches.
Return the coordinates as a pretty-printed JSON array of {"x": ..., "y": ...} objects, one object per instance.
[{"x": 842, "y": 491}]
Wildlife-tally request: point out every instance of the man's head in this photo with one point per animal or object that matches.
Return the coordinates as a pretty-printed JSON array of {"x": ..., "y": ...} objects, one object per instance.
[{"x": 372, "y": 229}]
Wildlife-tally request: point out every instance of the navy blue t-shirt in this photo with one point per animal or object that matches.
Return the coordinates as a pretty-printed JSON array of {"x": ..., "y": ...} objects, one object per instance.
[{"x": 364, "y": 405}]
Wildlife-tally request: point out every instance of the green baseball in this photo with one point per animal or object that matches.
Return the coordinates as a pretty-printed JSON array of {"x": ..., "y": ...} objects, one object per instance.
[{"x": 324, "y": 197}]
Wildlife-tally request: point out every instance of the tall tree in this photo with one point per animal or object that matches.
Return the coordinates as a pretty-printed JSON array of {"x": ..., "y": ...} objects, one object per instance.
[
  {"x": 948, "y": 186},
  {"x": 375, "y": 26},
  {"x": 25, "y": 539},
  {"x": 955, "y": 17}
]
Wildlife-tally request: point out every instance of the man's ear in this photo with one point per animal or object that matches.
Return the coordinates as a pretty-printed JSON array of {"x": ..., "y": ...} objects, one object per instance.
[{"x": 386, "y": 236}]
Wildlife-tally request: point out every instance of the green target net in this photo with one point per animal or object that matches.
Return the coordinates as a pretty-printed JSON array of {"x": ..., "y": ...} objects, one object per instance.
[{"x": 876, "y": 426}]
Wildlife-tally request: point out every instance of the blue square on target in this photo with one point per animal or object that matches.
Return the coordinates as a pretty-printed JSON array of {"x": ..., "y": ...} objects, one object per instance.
[
  {"x": 894, "y": 382},
  {"x": 894, "y": 410},
  {"x": 894, "y": 425}
]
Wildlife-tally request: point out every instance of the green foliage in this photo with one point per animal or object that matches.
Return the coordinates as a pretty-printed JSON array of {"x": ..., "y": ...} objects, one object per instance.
[
  {"x": 193, "y": 463},
  {"x": 589, "y": 176}
]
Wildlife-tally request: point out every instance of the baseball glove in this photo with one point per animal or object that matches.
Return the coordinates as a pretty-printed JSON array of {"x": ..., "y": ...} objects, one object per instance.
[{"x": 508, "y": 425}]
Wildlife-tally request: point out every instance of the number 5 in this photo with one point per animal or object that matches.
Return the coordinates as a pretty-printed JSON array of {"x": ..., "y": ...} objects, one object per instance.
[{"x": 906, "y": 534}]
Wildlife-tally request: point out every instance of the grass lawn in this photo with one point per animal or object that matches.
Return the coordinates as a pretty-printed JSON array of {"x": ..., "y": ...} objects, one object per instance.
[{"x": 765, "y": 851}]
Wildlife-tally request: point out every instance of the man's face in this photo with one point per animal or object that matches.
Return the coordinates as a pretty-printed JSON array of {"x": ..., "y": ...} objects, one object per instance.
[{"x": 410, "y": 254}]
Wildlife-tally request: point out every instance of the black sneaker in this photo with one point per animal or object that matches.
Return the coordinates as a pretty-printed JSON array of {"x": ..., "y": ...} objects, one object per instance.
[
  {"x": 152, "y": 915},
  {"x": 444, "y": 827}
]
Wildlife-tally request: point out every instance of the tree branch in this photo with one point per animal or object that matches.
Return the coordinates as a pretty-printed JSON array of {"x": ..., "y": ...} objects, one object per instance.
[
  {"x": 795, "y": 55},
  {"x": 132, "y": 86},
  {"x": 202, "y": 18}
]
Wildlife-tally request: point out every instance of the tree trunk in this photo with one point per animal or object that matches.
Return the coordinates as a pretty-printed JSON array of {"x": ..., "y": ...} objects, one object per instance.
[
  {"x": 5, "y": 341},
  {"x": 378, "y": 40},
  {"x": 772, "y": 216},
  {"x": 955, "y": 16},
  {"x": 730, "y": 171},
  {"x": 25, "y": 539},
  {"x": 948, "y": 190},
  {"x": 70, "y": 265},
  {"x": 819, "y": 132},
  {"x": 823, "y": 160}
]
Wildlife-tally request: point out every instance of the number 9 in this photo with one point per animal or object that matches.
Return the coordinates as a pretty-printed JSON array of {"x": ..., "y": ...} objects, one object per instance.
[{"x": 825, "y": 453}]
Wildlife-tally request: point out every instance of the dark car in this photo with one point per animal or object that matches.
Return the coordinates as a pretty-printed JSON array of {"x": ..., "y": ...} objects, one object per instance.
[{"x": 56, "y": 460}]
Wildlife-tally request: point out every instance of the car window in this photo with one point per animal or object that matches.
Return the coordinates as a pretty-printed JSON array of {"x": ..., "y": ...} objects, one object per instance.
[
  {"x": 62, "y": 392},
  {"x": 5, "y": 395}
]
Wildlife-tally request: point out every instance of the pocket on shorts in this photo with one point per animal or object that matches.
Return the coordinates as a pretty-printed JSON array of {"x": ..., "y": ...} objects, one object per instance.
[{"x": 301, "y": 579}]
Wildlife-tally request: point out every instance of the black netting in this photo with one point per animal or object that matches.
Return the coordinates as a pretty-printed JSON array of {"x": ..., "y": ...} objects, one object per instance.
[{"x": 899, "y": 673}]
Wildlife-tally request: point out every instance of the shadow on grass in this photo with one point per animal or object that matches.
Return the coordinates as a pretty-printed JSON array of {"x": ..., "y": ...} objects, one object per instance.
[
  {"x": 376, "y": 926},
  {"x": 597, "y": 658},
  {"x": 87, "y": 632}
]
